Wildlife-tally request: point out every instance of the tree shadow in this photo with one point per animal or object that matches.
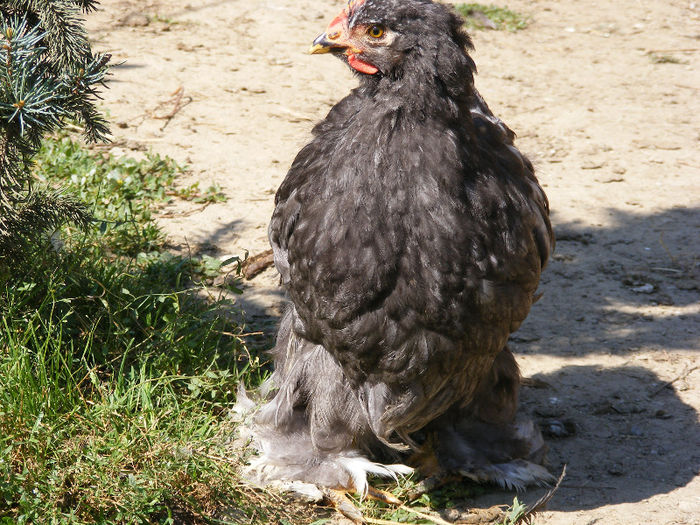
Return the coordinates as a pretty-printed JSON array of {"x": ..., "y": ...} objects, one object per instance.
[
  {"x": 254, "y": 307},
  {"x": 208, "y": 240},
  {"x": 612, "y": 290}
]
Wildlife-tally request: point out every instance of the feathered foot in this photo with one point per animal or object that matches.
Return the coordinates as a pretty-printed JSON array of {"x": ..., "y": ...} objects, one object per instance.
[
  {"x": 337, "y": 498},
  {"x": 507, "y": 455},
  {"x": 488, "y": 441},
  {"x": 524, "y": 466},
  {"x": 514, "y": 475}
]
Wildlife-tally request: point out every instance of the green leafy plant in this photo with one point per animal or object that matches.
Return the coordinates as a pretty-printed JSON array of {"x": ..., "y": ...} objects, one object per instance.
[
  {"x": 514, "y": 514},
  {"x": 125, "y": 194},
  {"x": 480, "y": 16}
]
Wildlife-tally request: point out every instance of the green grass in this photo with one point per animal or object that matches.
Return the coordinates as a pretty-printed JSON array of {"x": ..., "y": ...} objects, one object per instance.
[
  {"x": 115, "y": 376},
  {"x": 480, "y": 16},
  {"x": 124, "y": 192}
]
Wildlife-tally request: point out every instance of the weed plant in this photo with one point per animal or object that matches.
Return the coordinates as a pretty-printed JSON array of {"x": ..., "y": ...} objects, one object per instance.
[{"x": 480, "y": 16}]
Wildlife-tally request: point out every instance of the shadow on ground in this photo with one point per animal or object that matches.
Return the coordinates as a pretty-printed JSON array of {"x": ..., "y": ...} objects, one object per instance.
[
  {"x": 620, "y": 290},
  {"x": 634, "y": 438},
  {"x": 606, "y": 288}
]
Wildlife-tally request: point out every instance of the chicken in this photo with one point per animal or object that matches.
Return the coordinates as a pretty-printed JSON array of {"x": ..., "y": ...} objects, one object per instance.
[{"x": 410, "y": 235}]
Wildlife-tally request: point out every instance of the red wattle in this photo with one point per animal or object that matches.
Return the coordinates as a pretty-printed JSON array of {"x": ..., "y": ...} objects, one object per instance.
[{"x": 361, "y": 65}]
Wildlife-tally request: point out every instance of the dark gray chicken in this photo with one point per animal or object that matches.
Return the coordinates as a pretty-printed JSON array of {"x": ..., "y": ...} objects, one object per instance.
[{"x": 410, "y": 235}]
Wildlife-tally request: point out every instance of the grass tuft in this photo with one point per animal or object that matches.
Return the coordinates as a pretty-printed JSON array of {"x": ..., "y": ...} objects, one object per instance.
[
  {"x": 480, "y": 16},
  {"x": 660, "y": 58}
]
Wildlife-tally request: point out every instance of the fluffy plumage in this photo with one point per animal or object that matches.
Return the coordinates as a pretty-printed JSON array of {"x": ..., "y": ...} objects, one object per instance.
[{"x": 410, "y": 235}]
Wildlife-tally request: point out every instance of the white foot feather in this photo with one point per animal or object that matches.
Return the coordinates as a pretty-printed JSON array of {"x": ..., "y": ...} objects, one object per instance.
[
  {"x": 359, "y": 467},
  {"x": 516, "y": 474}
]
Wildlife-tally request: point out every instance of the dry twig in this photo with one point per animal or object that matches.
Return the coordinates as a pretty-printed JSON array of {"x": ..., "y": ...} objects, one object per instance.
[
  {"x": 541, "y": 503},
  {"x": 178, "y": 100},
  {"x": 683, "y": 375},
  {"x": 257, "y": 264}
]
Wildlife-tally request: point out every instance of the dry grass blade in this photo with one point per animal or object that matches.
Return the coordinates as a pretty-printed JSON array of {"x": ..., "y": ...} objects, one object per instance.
[
  {"x": 435, "y": 519},
  {"x": 382, "y": 522},
  {"x": 541, "y": 503},
  {"x": 667, "y": 384}
]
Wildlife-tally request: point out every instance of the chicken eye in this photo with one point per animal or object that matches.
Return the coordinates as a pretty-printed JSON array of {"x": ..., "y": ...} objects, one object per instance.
[{"x": 375, "y": 31}]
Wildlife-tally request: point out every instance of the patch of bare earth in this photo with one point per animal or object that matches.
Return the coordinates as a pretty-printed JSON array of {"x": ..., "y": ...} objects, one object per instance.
[{"x": 605, "y": 98}]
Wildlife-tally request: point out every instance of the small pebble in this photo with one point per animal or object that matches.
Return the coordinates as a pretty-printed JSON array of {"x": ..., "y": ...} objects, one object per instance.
[
  {"x": 662, "y": 414},
  {"x": 592, "y": 165},
  {"x": 558, "y": 429},
  {"x": 616, "y": 470}
]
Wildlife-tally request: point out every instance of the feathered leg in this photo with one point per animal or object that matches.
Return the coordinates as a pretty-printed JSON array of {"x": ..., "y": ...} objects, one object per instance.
[
  {"x": 486, "y": 440},
  {"x": 313, "y": 428}
]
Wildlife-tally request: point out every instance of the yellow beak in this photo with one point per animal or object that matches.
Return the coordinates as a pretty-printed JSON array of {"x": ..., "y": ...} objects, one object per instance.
[
  {"x": 323, "y": 44},
  {"x": 319, "y": 48}
]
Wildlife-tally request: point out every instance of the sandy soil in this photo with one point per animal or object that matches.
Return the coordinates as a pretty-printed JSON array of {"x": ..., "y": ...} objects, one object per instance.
[{"x": 614, "y": 133}]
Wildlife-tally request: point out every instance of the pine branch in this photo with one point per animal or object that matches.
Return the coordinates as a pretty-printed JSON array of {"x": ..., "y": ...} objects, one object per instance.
[
  {"x": 48, "y": 74},
  {"x": 43, "y": 212},
  {"x": 66, "y": 38},
  {"x": 87, "y": 5}
]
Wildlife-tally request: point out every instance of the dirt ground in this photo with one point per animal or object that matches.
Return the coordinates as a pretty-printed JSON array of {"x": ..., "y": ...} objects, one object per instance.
[{"x": 604, "y": 97}]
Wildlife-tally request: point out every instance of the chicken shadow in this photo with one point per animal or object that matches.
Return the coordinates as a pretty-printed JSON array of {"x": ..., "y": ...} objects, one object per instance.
[
  {"x": 634, "y": 438},
  {"x": 605, "y": 288},
  {"x": 615, "y": 291}
]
